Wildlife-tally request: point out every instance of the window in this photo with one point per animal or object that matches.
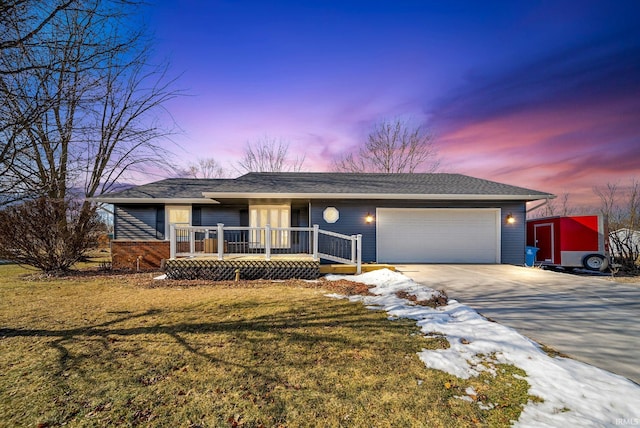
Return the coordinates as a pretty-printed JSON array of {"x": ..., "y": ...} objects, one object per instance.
[
  {"x": 275, "y": 216},
  {"x": 330, "y": 214},
  {"x": 177, "y": 214}
]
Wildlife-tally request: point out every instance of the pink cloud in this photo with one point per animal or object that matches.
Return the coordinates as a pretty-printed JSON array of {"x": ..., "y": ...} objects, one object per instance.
[{"x": 562, "y": 149}]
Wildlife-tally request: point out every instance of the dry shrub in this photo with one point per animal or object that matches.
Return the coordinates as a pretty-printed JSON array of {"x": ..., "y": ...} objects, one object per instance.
[
  {"x": 346, "y": 287},
  {"x": 48, "y": 234},
  {"x": 438, "y": 299}
]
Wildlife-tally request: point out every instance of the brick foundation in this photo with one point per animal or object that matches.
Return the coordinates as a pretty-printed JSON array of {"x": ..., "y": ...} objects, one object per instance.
[{"x": 125, "y": 254}]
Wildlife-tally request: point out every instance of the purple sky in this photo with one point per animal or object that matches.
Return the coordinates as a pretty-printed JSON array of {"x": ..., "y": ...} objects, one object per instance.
[{"x": 542, "y": 94}]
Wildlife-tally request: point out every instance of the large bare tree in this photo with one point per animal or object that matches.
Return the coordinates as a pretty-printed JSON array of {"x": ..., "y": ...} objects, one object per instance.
[
  {"x": 21, "y": 21},
  {"x": 79, "y": 102},
  {"x": 269, "y": 155},
  {"x": 393, "y": 146},
  {"x": 81, "y": 105}
]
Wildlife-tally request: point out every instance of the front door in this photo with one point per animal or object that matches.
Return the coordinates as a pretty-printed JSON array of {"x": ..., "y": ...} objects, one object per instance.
[
  {"x": 276, "y": 216},
  {"x": 543, "y": 235}
]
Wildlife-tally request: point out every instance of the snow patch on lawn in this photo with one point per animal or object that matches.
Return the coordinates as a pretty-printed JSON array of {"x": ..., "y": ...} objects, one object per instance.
[{"x": 574, "y": 393}]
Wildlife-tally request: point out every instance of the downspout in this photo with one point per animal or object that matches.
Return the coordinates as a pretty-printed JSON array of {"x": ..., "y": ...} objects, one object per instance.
[
  {"x": 546, "y": 201},
  {"x": 311, "y": 245}
]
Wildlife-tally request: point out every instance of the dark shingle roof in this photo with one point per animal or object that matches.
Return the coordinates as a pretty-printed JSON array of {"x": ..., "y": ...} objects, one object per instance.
[
  {"x": 178, "y": 188},
  {"x": 326, "y": 185}
]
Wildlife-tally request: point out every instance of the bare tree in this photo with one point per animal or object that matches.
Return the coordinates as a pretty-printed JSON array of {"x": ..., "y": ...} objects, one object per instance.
[
  {"x": 205, "y": 168},
  {"x": 393, "y": 146},
  {"x": 81, "y": 107},
  {"x": 269, "y": 155},
  {"x": 620, "y": 205},
  {"x": 555, "y": 207},
  {"x": 608, "y": 196},
  {"x": 21, "y": 21}
]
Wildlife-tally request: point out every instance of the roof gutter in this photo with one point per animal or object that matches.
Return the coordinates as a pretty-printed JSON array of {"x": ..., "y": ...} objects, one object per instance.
[
  {"x": 383, "y": 196},
  {"x": 210, "y": 197},
  {"x": 108, "y": 200}
]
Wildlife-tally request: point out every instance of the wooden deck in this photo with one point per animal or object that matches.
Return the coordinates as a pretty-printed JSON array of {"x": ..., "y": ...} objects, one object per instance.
[
  {"x": 284, "y": 244},
  {"x": 254, "y": 266}
]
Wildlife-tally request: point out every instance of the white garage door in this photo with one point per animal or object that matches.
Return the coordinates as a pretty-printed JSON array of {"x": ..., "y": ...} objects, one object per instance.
[{"x": 425, "y": 235}]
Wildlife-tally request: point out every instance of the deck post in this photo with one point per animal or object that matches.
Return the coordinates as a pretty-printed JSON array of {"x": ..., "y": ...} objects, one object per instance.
[
  {"x": 267, "y": 242},
  {"x": 359, "y": 254},
  {"x": 316, "y": 233},
  {"x": 172, "y": 241},
  {"x": 220, "y": 241},
  {"x": 354, "y": 248}
]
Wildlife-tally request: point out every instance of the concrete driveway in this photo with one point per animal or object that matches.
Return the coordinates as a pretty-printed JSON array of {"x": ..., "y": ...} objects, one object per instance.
[{"x": 592, "y": 319}]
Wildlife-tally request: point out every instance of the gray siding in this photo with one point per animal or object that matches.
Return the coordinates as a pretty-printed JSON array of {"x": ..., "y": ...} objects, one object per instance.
[
  {"x": 138, "y": 222},
  {"x": 352, "y": 222}
]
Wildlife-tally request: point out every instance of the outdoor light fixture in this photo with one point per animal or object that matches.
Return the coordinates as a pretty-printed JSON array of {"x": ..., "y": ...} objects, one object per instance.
[
  {"x": 369, "y": 218},
  {"x": 510, "y": 219}
]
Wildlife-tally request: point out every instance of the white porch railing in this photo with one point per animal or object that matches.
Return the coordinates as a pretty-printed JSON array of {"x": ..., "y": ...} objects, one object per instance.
[{"x": 221, "y": 240}]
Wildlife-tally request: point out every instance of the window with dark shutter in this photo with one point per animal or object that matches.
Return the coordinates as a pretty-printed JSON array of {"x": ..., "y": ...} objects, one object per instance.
[
  {"x": 160, "y": 222},
  {"x": 196, "y": 216}
]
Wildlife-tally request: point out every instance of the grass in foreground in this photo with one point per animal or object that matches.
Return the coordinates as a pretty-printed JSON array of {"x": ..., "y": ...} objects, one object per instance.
[{"x": 106, "y": 351}]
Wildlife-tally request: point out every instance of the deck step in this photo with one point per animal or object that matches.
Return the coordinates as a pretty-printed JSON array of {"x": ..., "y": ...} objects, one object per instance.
[{"x": 351, "y": 270}]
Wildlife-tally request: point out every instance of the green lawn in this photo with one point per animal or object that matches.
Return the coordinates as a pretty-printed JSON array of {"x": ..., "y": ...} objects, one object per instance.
[{"x": 101, "y": 351}]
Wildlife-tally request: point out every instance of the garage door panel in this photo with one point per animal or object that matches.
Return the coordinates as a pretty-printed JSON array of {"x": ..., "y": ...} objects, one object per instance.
[{"x": 438, "y": 235}]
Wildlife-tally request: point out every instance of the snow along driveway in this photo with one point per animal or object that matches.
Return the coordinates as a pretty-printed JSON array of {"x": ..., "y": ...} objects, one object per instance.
[
  {"x": 592, "y": 319},
  {"x": 574, "y": 393}
]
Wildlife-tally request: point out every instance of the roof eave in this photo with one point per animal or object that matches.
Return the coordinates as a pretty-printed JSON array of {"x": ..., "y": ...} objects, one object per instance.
[
  {"x": 382, "y": 196},
  {"x": 210, "y": 197},
  {"x": 121, "y": 200}
]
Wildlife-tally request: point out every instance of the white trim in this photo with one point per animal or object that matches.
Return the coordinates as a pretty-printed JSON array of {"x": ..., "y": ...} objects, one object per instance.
[
  {"x": 552, "y": 239},
  {"x": 210, "y": 197},
  {"x": 173, "y": 201},
  {"x": 394, "y": 196}
]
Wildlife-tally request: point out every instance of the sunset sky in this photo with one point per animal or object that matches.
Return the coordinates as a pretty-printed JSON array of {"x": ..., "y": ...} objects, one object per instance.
[{"x": 541, "y": 94}]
